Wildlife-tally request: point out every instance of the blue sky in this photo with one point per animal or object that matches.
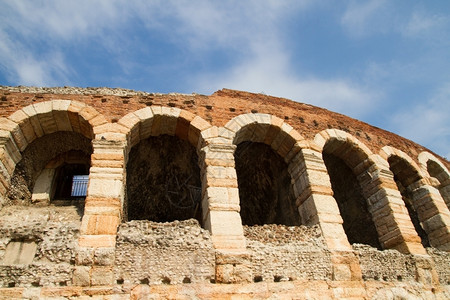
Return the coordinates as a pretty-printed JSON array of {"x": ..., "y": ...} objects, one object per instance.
[{"x": 384, "y": 62}]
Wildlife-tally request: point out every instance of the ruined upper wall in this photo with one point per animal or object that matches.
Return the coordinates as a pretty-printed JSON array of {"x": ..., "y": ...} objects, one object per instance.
[{"x": 217, "y": 109}]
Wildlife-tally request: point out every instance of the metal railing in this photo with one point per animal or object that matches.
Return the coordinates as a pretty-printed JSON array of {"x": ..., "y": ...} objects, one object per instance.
[{"x": 79, "y": 185}]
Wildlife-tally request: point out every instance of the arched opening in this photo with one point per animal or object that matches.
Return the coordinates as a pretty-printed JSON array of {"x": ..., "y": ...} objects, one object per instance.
[
  {"x": 39, "y": 199},
  {"x": 265, "y": 190},
  {"x": 441, "y": 180},
  {"x": 45, "y": 173},
  {"x": 163, "y": 180},
  {"x": 405, "y": 176},
  {"x": 357, "y": 220}
]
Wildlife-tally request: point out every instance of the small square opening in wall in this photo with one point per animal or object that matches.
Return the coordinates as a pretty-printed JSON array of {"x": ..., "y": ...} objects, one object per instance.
[{"x": 79, "y": 185}]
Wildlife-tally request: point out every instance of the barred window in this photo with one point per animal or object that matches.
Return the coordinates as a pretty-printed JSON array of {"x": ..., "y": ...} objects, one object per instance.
[{"x": 79, "y": 185}]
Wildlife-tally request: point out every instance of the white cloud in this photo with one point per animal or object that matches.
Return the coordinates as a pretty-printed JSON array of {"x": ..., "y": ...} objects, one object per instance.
[
  {"x": 21, "y": 65},
  {"x": 211, "y": 24},
  {"x": 30, "y": 26},
  {"x": 268, "y": 71},
  {"x": 423, "y": 24},
  {"x": 264, "y": 64},
  {"x": 196, "y": 25},
  {"x": 427, "y": 123},
  {"x": 360, "y": 17},
  {"x": 61, "y": 20}
]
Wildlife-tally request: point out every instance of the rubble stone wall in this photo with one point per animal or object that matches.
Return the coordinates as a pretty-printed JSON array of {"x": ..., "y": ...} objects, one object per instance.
[
  {"x": 53, "y": 231},
  {"x": 287, "y": 253},
  {"x": 163, "y": 253},
  {"x": 387, "y": 265},
  {"x": 442, "y": 264}
]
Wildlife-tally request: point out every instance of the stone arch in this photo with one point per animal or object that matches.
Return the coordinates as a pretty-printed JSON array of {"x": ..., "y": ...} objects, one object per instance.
[
  {"x": 348, "y": 162},
  {"x": 426, "y": 204},
  {"x": 265, "y": 148},
  {"x": 438, "y": 174},
  {"x": 383, "y": 200},
  {"x": 38, "y": 120},
  {"x": 267, "y": 129},
  {"x": 169, "y": 128},
  {"x": 159, "y": 120}
]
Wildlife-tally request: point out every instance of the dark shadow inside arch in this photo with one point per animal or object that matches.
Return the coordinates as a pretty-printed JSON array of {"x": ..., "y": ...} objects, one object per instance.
[
  {"x": 441, "y": 180},
  {"x": 163, "y": 180},
  {"x": 71, "y": 182},
  {"x": 265, "y": 190},
  {"x": 404, "y": 176},
  {"x": 358, "y": 223},
  {"x": 65, "y": 154},
  {"x": 435, "y": 170}
]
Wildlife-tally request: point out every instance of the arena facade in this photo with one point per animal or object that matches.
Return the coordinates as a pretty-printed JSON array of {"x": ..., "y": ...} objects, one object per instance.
[{"x": 117, "y": 194}]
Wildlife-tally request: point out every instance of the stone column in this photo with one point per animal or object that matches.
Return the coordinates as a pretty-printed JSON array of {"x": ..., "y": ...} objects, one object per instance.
[
  {"x": 8, "y": 161},
  {"x": 444, "y": 189},
  {"x": 221, "y": 212},
  {"x": 433, "y": 214},
  {"x": 316, "y": 205},
  {"x": 9, "y": 156},
  {"x": 384, "y": 201},
  {"x": 102, "y": 213}
]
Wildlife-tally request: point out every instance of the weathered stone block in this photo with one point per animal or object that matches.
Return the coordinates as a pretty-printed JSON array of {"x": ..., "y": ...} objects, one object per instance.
[
  {"x": 97, "y": 241},
  {"x": 341, "y": 272},
  {"x": 104, "y": 256},
  {"x": 226, "y": 223},
  {"x": 101, "y": 275},
  {"x": 85, "y": 256},
  {"x": 62, "y": 121},
  {"x": 105, "y": 188},
  {"x": 232, "y": 273},
  {"x": 81, "y": 276},
  {"x": 21, "y": 118}
]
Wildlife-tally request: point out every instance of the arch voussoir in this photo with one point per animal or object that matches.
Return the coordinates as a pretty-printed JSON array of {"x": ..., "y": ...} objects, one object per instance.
[{"x": 426, "y": 200}]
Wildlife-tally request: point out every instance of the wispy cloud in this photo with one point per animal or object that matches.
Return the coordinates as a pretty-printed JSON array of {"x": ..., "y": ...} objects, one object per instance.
[
  {"x": 251, "y": 30},
  {"x": 61, "y": 20},
  {"x": 425, "y": 25},
  {"x": 54, "y": 25},
  {"x": 268, "y": 71},
  {"x": 427, "y": 123},
  {"x": 360, "y": 17},
  {"x": 265, "y": 65},
  {"x": 22, "y": 65},
  {"x": 34, "y": 34}
]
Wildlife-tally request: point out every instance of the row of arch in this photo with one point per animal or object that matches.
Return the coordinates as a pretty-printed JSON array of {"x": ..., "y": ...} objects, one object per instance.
[{"x": 386, "y": 200}]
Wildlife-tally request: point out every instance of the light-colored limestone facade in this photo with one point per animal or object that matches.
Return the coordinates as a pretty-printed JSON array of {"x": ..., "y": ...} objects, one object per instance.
[{"x": 381, "y": 230}]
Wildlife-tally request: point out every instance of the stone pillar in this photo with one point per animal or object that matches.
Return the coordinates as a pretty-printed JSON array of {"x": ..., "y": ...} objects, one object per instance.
[
  {"x": 433, "y": 214},
  {"x": 9, "y": 156},
  {"x": 102, "y": 214},
  {"x": 444, "y": 189},
  {"x": 221, "y": 212},
  {"x": 316, "y": 205},
  {"x": 389, "y": 214}
]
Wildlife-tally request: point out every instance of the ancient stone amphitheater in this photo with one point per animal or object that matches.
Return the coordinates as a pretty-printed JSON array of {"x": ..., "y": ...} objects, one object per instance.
[{"x": 116, "y": 194}]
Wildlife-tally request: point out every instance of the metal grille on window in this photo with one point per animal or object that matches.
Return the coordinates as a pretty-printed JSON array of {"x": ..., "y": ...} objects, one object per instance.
[{"x": 79, "y": 185}]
